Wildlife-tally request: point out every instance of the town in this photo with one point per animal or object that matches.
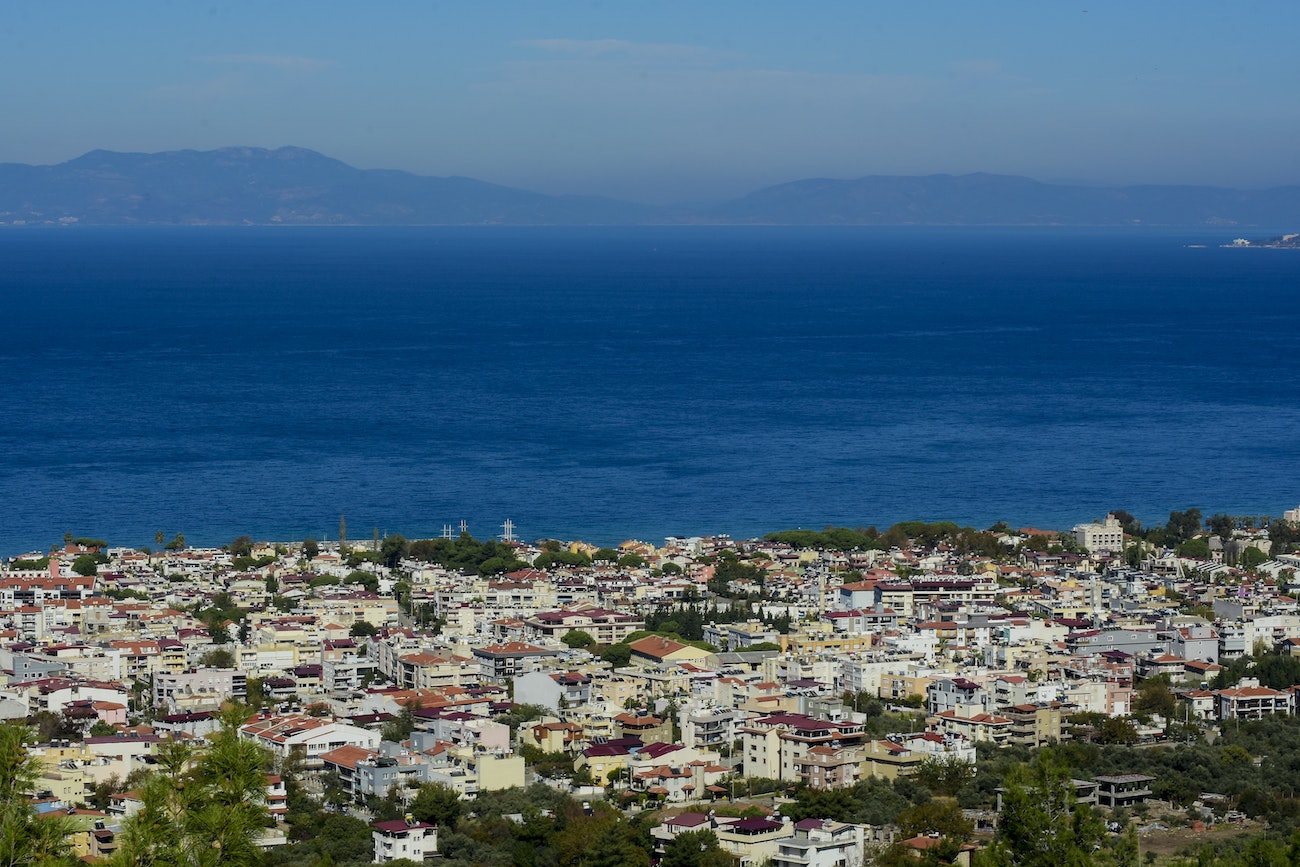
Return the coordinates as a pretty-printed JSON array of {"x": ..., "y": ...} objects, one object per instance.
[{"x": 833, "y": 697}]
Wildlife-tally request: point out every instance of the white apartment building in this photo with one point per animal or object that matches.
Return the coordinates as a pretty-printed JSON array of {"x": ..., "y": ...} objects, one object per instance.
[{"x": 404, "y": 838}]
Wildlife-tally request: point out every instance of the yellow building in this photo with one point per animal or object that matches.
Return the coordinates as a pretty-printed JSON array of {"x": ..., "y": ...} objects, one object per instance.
[
  {"x": 821, "y": 638},
  {"x": 896, "y": 687},
  {"x": 657, "y": 650}
]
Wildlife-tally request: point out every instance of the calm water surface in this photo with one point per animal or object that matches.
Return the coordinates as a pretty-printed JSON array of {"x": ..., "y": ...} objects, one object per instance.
[{"x": 612, "y": 383}]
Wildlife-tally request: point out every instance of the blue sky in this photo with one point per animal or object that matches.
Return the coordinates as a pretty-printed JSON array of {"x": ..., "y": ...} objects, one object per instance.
[{"x": 672, "y": 101}]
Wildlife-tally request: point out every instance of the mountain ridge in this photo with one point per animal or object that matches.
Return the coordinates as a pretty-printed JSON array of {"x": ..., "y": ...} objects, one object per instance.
[{"x": 242, "y": 185}]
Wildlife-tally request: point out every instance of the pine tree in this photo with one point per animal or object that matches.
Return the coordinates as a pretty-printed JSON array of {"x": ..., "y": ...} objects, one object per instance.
[
  {"x": 203, "y": 807},
  {"x": 25, "y": 838},
  {"x": 1042, "y": 825}
]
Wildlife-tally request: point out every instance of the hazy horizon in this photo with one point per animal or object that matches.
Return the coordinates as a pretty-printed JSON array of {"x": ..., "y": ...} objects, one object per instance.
[{"x": 673, "y": 102}]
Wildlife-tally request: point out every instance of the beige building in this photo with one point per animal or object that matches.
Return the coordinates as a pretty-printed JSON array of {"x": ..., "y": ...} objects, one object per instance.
[
  {"x": 773, "y": 746},
  {"x": 1106, "y": 536},
  {"x": 1034, "y": 725}
]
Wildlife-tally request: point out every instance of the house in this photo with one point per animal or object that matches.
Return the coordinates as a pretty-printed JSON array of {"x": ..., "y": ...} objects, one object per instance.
[
  {"x": 1123, "y": 790},
  {"x": 469, "y": 769},
  {"x": 681, "y": 780},
  {"x": 1105, "y": 536},
  {"x": 977, "y": 727},
  {"x": 1202, "y": 702},
  {"x": 306, "y": 737},
  {"x": 650, "y": 729},
  {"x": 669, "y": 828},
  {"x": 901, "y": 754},
  {"x": 501, "y": 661},
  {"x": 709, "y": 726},
  {"x": 554, "y": 689},
  {"x": 957, "y": 694},
  {"x": 404, "y": 838},
  {"x": 1249, "y": 700},
  {"x": 917, "y": 846},
  {"x": 821, "y": 843},
  {"x": 603, "y": 759},
  {"x": 1199, "y": 642},
  {"x": 657, "y": 650},
  {"x": 1035, "y": 725},
  {"x": 828, "y": 767},
  {"x": 343, "y": 761},
  {"x": 554, "y": 736},
  {"x": 602, "y": 624},
  {"x": 773, "y": 745},
  {"x": 754, "y": 840},
  {"x": 737, "y": 636}
]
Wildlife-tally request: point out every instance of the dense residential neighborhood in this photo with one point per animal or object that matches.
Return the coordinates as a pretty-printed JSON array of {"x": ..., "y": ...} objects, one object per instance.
[{"x": 726, "y": 689}]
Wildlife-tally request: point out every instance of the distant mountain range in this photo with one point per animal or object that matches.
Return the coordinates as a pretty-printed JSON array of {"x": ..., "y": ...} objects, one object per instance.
[{"x": 295, "y": 186}]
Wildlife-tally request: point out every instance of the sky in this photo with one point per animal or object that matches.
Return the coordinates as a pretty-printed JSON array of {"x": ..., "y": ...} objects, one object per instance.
[{"x": 671, "y": 101}]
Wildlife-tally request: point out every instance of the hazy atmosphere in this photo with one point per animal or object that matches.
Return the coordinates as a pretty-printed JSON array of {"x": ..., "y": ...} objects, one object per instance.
[{"x": 670, "y": 102}]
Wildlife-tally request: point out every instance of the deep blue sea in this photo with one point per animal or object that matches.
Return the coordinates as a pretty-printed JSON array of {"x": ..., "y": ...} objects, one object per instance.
[{"x": 615, "y": 383}]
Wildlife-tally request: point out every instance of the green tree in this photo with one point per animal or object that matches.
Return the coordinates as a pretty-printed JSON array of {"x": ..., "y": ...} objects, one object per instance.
[
  {"x": 1183, "y": 525},
  {"x": 310, "y": 548},
  {"x": 1251, "y": 558},
  {"x": 25, "y": 838},
  {"x": 362, "y": 628},
  {"x": 615, "y": 846},
  {"x": 1154, "y": 696},
  {"x": 695, "y": 849},
  {"x": 242, "y": 546},
  {"x": 177, "y": 543},
  {"x": 1222, "y": 525},
  {"x": 392, "y": 549},
  {"x": 88, "y": 564},
  {"x": 941, "y": 817},
  {"x": 437, "y": 804},
  {"x": 204, "y": 806},
  {"x": 101, "y": 729},
  {"x": 218, "y": 657},
  {"x": 400, "y": 728},
  {"x": 944, "y": 775},
  {"x": 617, "y": 655},
  {"x": 578, "y": 638},
  {"x": 218, "y": 633},
  {"x": 1117, "y": 730},
  {"x": 365, "y": 579},
  {"x": 1041, "y": 824}
]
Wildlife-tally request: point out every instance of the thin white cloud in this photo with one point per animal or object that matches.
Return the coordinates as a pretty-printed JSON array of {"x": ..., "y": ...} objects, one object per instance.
[
  {"x": 222, "y": 88},
  {"x": 979, "y": 68},
  {"x": 293, "y": 62},
  {"x": 622, "y": 48}
]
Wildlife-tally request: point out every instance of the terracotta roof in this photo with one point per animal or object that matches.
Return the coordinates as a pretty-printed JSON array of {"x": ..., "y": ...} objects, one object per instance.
[{"x": 347, "y": 756}]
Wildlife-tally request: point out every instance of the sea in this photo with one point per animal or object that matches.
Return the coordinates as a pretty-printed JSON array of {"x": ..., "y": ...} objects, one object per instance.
[{"x": 614, "y": 383}]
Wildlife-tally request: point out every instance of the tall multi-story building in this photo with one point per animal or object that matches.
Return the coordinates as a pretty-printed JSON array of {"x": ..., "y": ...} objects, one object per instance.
[
  {"x": 774, "y": 745},
  {"x": 1106, "y": 536}
]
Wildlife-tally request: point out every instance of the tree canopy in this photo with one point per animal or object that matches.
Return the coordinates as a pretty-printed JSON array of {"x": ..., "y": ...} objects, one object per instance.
[
  {"x": 204, "y": 807},
  {"x": 466, "y": 554},
  {"x": 1042, "y": 825},
  {"x": 26, "y": 838}
]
